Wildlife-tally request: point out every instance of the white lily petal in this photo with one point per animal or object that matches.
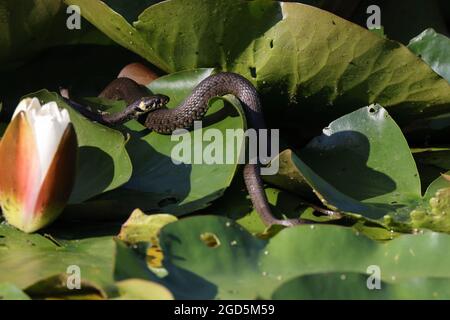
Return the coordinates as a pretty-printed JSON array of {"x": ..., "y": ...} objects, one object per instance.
[
  {"x": 25, "y": 105},
  {"x": 39, "y": 155},
  {"x": 48, "y": 123}
]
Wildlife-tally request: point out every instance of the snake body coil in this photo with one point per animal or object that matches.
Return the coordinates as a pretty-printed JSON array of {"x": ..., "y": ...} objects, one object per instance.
[{"x": 163, "y": 120}]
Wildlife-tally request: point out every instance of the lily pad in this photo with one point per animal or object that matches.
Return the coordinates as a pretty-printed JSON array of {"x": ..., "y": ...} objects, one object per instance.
[
  {"x": 442, "y": 182},
  {"x": 294, "y": 54},
  {"x": 362, "y": 165},
  {"x": 138, "y": 289},
  {"x": 433, "y": 48},
  {"x": 353, "y": 286},
  {"x": 8, "y": 291},
  {"x": 144, "y": 228},
  {"x": 434, "y": 214},
  {"x": 231, "y": 266},
  {"x": 52, "y": 261},
  {"x": 244, "y": 267},
  {"x": 327, "y": 193},
  {"x": 365, "y": 156},
  {"x": 116, "y": 26},
  {"x": 47, "y": 257},
  {"x": 141, "y": 228}
]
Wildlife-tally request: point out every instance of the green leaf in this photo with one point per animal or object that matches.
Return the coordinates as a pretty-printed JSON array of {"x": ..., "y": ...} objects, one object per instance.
[
  {"x": 244, "y": 267},
  {"x": 157, "y": 182},
  {"x": 138, "y": 289},
  {"x": 9, "y": 291},
  {"x": 365, "y": 156},
  {"x": 116, "y": 27},
  {"x": 103, "y": 162},
  {"x": 231, "y": 266},
  {"x": 362, "y": 165},
  {"x": 144, "y": 228},
  {"x": 47, "y": 257},
  {"x": 433, "y": 48},
  {"x": 435, "y": 212},
  {"x": 101, "y": 260},
  {"x": 294, "y": 54},
  {"x": 353, "y": 286},
  {"x": 327, "y": 193},
  {"x": 379, "y": 31},
  {"x": 436, "y": 185}
]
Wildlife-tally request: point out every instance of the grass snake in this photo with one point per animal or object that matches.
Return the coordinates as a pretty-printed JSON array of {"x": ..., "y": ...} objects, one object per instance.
[{"x": 163, "y": 120}]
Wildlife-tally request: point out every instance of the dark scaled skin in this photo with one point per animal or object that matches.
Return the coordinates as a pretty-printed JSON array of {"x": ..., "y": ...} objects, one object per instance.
[
  {"x": 137, "y": 98},
  {"x": 165, "y": 121}
]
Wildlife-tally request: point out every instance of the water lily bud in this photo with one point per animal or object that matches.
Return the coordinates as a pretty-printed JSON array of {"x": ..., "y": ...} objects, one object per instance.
[{"x": 38, "y": 155}]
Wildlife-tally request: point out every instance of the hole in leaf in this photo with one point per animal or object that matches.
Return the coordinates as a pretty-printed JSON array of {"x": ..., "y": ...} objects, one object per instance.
[
  {"x": 210, "y": 239},
  {"x": 271, "y": 44},
  {"x": 372, "y": 110},
  {"x": 253, "y": 72}
]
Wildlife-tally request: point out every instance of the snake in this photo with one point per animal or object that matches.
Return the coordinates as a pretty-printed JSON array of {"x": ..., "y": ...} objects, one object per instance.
[{"x": 163, "y": 120}]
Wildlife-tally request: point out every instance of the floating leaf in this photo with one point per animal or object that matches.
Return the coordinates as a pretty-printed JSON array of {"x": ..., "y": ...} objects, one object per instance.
[
  {"x": 48, "y": 257},
  {"x": 144, "y": 228},
  {"x": 433, "y": 48},
  {"x": 362, "y": 165},
  {"x": 138, "y": 289},
  {"x": 244, "y": 267},
  {"x": 9, "y": 291},
  {"x": 365, "y": 156},
  {"x": 294, "y": 54},
  {"x": 101, "y": 262},
  {"x": 353, "y": 286},
  {"x": 435, "y": 212}
]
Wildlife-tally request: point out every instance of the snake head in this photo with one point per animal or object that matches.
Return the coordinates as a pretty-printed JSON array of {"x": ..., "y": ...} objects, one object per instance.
[{"x": 151, "y": 103}]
